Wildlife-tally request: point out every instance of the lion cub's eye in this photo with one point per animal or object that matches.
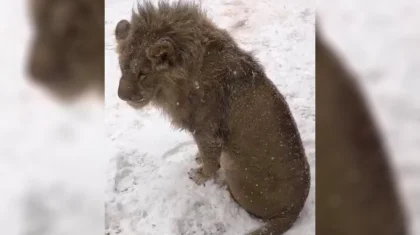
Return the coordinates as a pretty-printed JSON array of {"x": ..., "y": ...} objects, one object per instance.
[{"x": 142, "y": 76}]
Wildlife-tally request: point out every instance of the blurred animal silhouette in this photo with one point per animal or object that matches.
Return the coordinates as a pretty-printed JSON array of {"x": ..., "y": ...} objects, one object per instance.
[
  {"x": 355, "y": 192},
  {"x": 67, "y": 49}
]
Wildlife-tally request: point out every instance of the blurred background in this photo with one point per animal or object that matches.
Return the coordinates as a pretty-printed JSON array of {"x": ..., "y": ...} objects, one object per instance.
[
  {"x": 52, "y": 151},
  {"x": 380, "y": 42}
]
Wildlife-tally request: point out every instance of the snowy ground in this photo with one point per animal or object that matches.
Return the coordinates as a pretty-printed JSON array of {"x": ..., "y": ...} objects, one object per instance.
[
  {"x": 381, "y": 42},
  {"x": 148, "y": 187}
]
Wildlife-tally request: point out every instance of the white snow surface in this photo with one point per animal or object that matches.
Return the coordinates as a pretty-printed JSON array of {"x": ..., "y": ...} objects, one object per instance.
[
  {"x": 148, "y": 188},
  {"x": 380, "y": 40}
]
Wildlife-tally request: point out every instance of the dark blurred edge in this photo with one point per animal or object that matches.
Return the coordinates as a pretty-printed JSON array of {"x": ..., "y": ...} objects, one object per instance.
[{"x": 356, "y": 192}]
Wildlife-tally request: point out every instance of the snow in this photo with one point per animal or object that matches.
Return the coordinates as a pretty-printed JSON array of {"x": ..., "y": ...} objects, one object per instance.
[
  {"x": 380, "y": 41},
  {"x": 148, "y": 188}
]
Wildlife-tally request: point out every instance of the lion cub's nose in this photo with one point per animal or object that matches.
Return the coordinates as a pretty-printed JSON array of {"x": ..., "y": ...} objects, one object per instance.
[{"x": 126, "y": 90}]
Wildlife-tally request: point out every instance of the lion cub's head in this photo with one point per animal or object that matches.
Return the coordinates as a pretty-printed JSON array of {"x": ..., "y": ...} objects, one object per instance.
[{"x": 157, "y": 48}]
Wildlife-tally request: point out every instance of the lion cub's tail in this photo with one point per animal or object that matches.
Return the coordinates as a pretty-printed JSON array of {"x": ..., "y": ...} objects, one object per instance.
[{"x": 275, "y": 226}]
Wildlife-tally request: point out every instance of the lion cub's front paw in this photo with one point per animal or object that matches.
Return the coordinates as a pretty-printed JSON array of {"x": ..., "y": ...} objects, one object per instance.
[{"x": 197, "y": 176}]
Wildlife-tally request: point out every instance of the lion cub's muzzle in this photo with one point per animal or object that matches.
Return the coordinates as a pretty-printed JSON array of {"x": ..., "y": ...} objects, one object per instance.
[{"x": 130, "y": 92}]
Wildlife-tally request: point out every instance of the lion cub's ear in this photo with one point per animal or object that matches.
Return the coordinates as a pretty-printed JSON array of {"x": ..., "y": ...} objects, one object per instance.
[
  {"x": 161, "y": 53},
  {"x": 121, "y": 30}
]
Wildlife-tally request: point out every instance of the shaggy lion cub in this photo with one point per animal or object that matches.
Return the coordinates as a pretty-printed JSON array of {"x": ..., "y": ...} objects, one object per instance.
[{"x": 174, "y": 57}]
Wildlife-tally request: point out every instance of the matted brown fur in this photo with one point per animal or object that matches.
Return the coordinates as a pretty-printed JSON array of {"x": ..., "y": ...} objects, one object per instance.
[
  {"x": 355, "y": 192},
  {"x": 67, "y": 49},
  {"x": 175, "y": 58}
]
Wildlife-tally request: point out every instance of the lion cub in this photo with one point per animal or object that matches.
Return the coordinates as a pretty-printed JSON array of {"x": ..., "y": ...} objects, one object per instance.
[{"x": 175, "y": 58}]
